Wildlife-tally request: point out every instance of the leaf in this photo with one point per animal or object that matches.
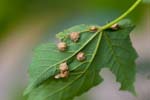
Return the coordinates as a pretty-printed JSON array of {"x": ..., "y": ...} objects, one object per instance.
[
  {"x": 80, "y": 80},
  {"x": 110, "y": 49},
  {"x": 47, "y": 57},
  {"x": 118, "y": 55}
]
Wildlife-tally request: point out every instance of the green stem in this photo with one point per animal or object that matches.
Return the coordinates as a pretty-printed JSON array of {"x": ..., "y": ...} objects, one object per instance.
[{"x": 122, "y": 16}]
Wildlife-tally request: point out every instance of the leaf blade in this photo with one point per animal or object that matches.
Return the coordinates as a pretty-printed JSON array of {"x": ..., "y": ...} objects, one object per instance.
[
  {"x": 110, "y": 49},
  {"x": 88, "y": 71},
  {"x": 118, "y": 55},
  {"x": 48, "y": 72}
]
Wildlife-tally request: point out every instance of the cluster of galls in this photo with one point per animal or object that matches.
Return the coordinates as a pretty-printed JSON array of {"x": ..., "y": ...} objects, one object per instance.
[
  {"x": 64, "y": 71},
  {"x": 62, "y": 46}
]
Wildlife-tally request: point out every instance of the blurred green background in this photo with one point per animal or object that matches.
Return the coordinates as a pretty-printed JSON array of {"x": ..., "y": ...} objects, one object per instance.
[
  {"x": 26, "y": 23},
  {"x": 14, "y": 12}
]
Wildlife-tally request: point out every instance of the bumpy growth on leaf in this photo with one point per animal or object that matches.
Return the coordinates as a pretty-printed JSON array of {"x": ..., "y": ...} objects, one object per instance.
[
  {"x": 108, "y": 48},
  {"x": 74, "y": 36},
  {"x": 81, "y": 56}
]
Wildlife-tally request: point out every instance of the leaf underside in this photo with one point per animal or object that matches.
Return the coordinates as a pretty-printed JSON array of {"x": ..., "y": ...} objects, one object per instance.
[{"x": 108, "y": 49}]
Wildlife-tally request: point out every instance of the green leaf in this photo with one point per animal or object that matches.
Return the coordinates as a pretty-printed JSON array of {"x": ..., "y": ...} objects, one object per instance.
[
  {"x": 109, "y": 48},
  {"x": 47, "y": 57},
  {"x": 118, "y": 55},
  {"x": 85, "y": 76}
]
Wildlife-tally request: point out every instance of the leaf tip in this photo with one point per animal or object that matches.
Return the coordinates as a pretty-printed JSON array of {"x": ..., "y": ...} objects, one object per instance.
[{"x": 129, "y": 89}]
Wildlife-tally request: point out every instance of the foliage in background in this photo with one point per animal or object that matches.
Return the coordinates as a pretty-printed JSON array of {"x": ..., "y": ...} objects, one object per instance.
[{"x": 14, "y": 11}]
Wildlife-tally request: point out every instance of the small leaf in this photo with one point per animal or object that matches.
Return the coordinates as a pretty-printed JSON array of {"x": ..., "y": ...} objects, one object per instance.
[{"x": 109, "y": 48}]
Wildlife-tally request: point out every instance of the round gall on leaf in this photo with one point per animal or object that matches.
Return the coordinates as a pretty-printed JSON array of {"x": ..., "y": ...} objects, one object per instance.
[
  {"x": 63, "y": 67},
  {"x": 115, "y": 27},
  {"x": 62, "y": 46},
  {"x": 74, "y": 36},
  {"x": 93, "y": 28},
  {"x": 80, "y": 56},
  {"x": 65, "y": 74}
]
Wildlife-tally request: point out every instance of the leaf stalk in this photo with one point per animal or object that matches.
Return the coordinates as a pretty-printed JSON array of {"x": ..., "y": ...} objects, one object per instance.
[{"x": 121, "y": 16}]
